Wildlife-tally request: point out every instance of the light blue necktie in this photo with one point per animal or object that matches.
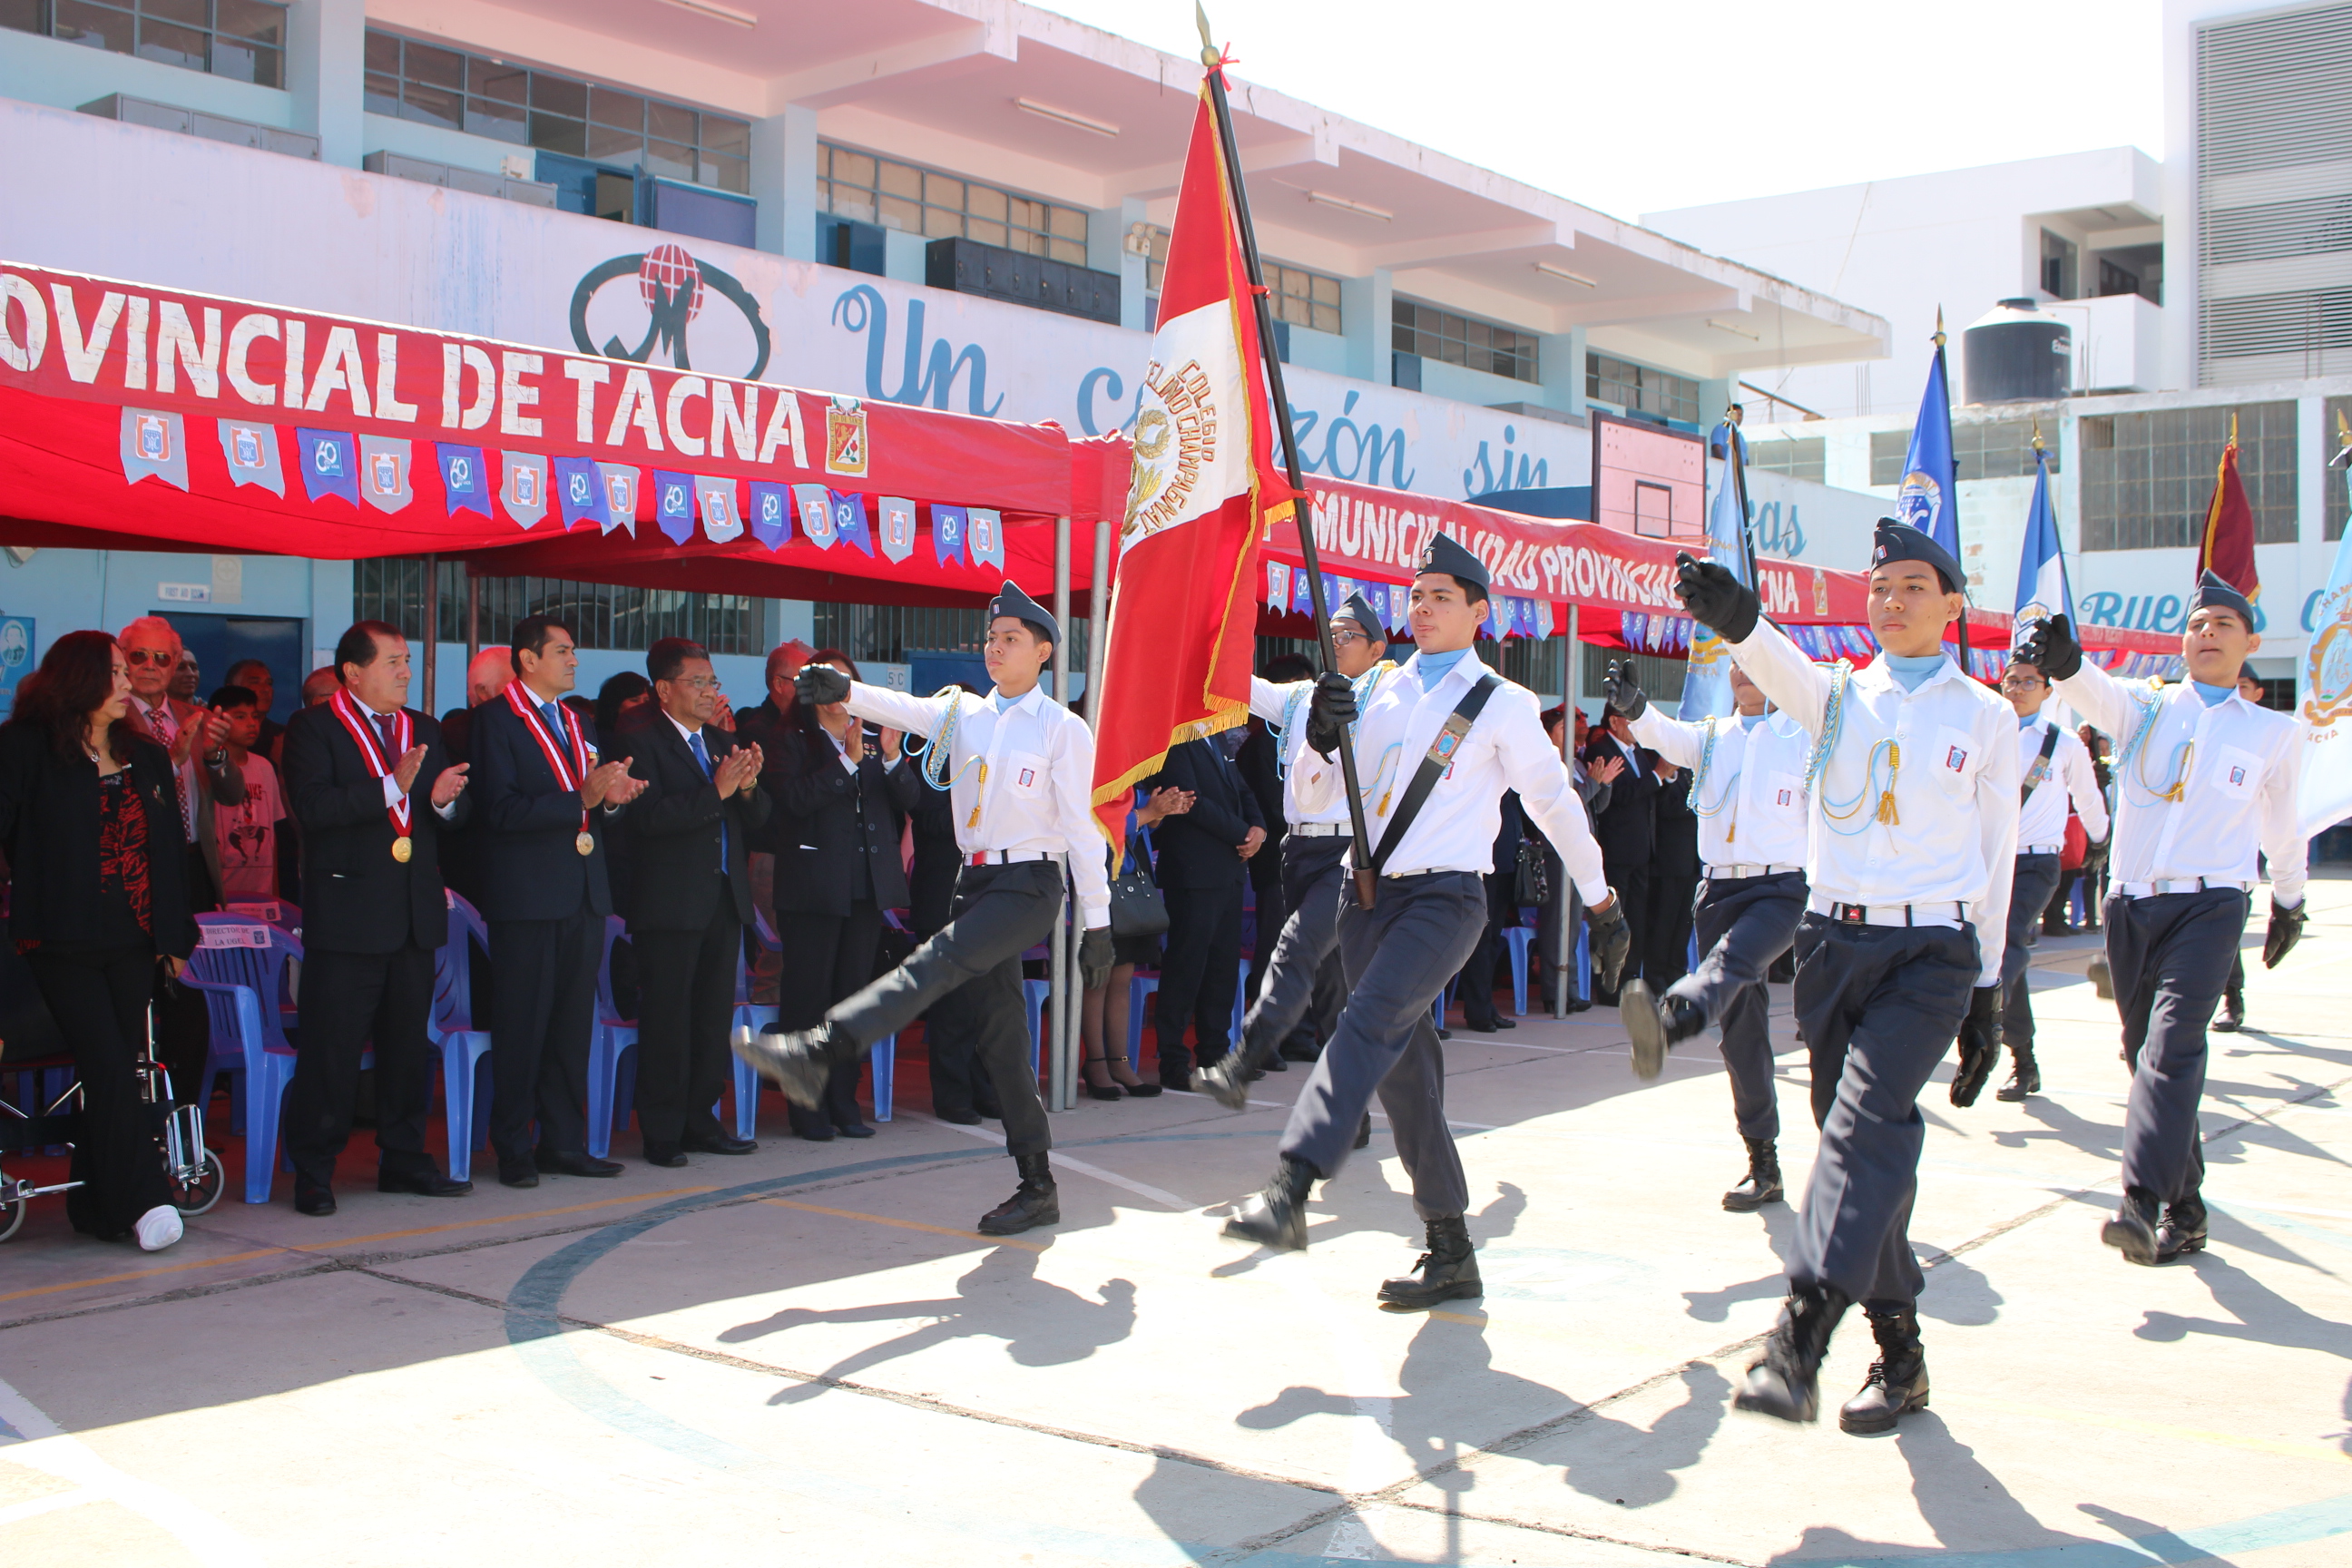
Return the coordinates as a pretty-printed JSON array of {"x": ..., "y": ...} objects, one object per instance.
[{"x": 702, "y": 756}]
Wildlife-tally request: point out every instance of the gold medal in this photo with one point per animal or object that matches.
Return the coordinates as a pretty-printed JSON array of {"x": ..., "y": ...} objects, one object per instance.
[
  {"x": 401, "y": 849},
  {"x": 584, "y": 844}
]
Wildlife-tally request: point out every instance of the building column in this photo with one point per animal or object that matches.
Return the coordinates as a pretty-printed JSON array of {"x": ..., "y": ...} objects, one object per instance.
[
  {"x": 1560, "y": 366},
  {"x": 326, "y": 52},
  {"x": 1714, "y": 397},
  {"x": 784, "y": 180},
  {"x": 1106, "y": 251},
  {"x": 1368, "y": 315}
]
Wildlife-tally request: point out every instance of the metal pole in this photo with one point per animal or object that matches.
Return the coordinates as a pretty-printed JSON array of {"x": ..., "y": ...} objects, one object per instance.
[
  {"x": 1097, "y": 631},
  {"x": 473, "y": 620},
  {"x": 1210, "y": 56},
  {"x": 1563, "y": 940},
  {"x": 432, "y": 631},
  {"x": 1960, "y": 552},
  {"x": 1064, "y": 975}
]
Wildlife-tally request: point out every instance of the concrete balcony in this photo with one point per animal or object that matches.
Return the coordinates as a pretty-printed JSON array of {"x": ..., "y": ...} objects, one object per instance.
[{"x": 2118, "y": 343}]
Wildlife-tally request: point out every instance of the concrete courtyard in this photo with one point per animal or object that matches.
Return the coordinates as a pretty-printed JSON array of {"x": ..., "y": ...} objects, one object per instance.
[{"x": 807, "y": 1355}]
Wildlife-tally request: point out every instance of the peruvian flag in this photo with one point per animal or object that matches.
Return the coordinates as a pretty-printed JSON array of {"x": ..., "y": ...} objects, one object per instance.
[
  {"x": 2227, "y": 548},
  {"x": 1183, "y": 608}
]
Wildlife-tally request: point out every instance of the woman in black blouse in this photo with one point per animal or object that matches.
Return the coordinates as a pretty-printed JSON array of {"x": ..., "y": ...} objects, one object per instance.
[
  {"x": 842, "y": 800},
  {"x": 90, "y": 815}
]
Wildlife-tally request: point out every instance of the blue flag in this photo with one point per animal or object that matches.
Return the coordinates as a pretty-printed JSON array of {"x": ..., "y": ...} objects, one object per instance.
[
  {"x": 673, "y": 505},
  {"x": 849, "y": 520},
  {"x": 772, "y": 513},
  {"x": 580, "y": 492},
  {"x": 1706, "y": 681},
  {"x": 331, "y": 463},
  {"x": 2042, "y": 587},
  {"x": 947, "y": 534},
  {"x": 1928, "y": 499},
  {"x": 465, "y": 479}
]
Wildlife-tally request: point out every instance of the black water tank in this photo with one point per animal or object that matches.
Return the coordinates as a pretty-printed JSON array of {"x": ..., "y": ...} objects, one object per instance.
[{"x": 2017, "y": 353}]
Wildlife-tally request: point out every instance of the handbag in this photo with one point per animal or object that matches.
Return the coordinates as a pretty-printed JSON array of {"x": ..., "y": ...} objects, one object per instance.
[
  {"x": 1138, "y": 908},
  {"x": 1530, "y": 888},
  {"x": 2077, "y": 845}
]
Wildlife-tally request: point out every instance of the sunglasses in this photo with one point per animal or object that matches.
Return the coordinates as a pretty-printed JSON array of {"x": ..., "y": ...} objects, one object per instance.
[{"x": 162, "y": 661}]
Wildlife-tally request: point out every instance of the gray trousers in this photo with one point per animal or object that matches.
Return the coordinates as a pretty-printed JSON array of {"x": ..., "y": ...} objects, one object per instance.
[
  {"x": 1313, "y": 884},
  {"x": 1745, "y": 924},
  {"x": 2036, "y": 879},
  {"x": 2170, "y": 956},
  {"x": 1000, "y": 912},
  {"x": 1879, "y": 1005},
  {"x": 1398, "y": 957}
]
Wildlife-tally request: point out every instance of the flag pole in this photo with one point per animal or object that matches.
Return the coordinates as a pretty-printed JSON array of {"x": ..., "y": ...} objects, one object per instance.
[
  {"x": 1952, "y": 499},
  {"x": 1212, "y": 58}
]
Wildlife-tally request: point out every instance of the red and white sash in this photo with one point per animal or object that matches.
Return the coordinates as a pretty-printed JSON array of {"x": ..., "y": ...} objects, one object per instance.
[
  {"x": 567, "y": 755},
  {"x": 364, "y": 733}
]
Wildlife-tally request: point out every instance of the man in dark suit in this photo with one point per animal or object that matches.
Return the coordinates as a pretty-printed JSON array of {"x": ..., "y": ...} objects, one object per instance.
[
  {"x": 690, "y": 843},
  {"x": 1201, "y": 858},
  {"x": 1626, "y": 829},
  {"x": 544, "y": 796},
  {"x": 367, "y": 779},
  {"x": 1673, "y": 880},
  {"x": 1260, "y": 761}
]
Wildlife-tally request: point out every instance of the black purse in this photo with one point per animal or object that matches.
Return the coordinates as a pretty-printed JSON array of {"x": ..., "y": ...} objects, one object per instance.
[
  {"x": 1138, "y": 908},
  {"x": 1532, "y": 887}
]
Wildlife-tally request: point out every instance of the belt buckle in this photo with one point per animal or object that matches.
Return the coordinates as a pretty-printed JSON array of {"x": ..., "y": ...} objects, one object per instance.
[{"x": 1849, "y": 914}]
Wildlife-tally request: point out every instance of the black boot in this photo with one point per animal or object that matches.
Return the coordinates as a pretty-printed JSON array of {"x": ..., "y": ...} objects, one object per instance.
[
  {"x": 1226, "y": 1080},
  {"x": 1655, "y": 1024},
  {"x": 2024, "y": 1079},
  {"x": 1897, "y": 1384},
  {"x": 2234, "y": 1012},
  {"x": 1276, "y": 1217},
  {"x": 1786, "y": 1382},
  {"x": 1762, "y": 1182},
  {"x": 2133, "y": 1230},
  {"x": 2183, "y": 1229},
  {"x": 1033, "y": 1203},
  {"x": 798, "y": 1061},
  {"x": 1448, "y": 1269}
]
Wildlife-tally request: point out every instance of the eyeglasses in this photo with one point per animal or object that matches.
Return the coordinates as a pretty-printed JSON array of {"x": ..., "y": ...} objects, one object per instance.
[
  {"x": 698, "y": 682},
  {"x": 2021, "y": 681},
  {"x": 156, "y": 657}
]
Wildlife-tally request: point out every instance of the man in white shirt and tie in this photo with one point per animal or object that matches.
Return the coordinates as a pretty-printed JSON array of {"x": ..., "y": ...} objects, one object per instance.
[
  {"x": 1440, "y": 740},
  {"x": 1020, "y": 770},
  {"x": 1914, "y": 836},
  {"x": 1313, "y": 884},
  {"x": 1747, "y": 790},
  {"x": 2205, "y": 783},
  {"x": 2053, "y": 767}
]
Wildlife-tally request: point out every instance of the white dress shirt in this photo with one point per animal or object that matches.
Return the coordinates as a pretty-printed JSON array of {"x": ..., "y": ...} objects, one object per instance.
[
  {"x": 1943, "y": 763},
  {"x": 1457, "y": 825},
  {"x": 2237, "y": 767},
  {"x": 1023, "y": 777},
  {"x": 1284, "y": 709},
  {"x": 2042, "y": 821},
  {"x": 392, "y": 790},
  {"x": 1751, "y": 800}
]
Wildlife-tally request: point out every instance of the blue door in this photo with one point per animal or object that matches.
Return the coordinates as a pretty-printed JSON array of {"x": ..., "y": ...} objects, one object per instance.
[{"x": 219, "y": 641}]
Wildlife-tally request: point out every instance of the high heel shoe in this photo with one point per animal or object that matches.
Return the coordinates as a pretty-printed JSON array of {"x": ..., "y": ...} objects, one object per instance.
[{"x": 1098, "y": 1090}]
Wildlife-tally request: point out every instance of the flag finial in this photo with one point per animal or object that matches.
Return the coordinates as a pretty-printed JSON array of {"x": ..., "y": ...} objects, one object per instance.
[
  {"x": 2233, "y": 427},
  {"x": 1938, "y": 339},
  {"x": 1211, "y": 56}
]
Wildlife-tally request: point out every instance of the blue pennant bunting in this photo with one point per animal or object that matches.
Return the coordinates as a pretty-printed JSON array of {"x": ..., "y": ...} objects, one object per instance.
[
  {"x": 465, "y": 479},
  {"x": 673, "y": 505},
  {"x": 331, "y": 463},
  {"x": 948, "y": 527},
  {"x": 815, "y": 505},
  {"x": 580, "y": 492},
  {"x": 772, "y": 513},
  {"x": 849, "y": 520}
]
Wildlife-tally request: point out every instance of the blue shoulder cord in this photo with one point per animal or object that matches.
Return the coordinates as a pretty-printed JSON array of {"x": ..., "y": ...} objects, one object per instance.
[{"x": 935, "y": 750}]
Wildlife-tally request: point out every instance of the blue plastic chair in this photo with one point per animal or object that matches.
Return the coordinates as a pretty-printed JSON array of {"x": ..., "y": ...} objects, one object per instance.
[
  {"x": 240, "y": 967},
  {"x": 1138, "y": 986},
  {"x": 465, "y": 1047},
  {"x": 609, "y": 1038},
  {"x": 1519, "y": 938},
  {"x": 1032, "y": 997}
]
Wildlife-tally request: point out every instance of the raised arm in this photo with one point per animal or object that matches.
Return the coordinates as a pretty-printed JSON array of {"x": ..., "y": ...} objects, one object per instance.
[
  {"x": 1679, "y": 742},
  {"x": 1532, "y": 766},
  {"x": 897, "y": 709},
  {"x": 1273, "y": 703},
  {"x": 2107, "y": 702},
  {"x": 1797, "y": 686}
]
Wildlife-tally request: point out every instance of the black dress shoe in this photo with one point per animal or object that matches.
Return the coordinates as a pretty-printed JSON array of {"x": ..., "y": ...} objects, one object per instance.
[
  {"x": 575, "y": 1164},
  {"x": 518, "y": 1173},
  {"x": 431, "y": 1185},
  {"x": 961, "y": 1115},
  {"x": 853, "y": 1130},
  {"x": 669, "y": 1156},
  {"x": 813, "y": 1129},
  {"x": 1104, "y": 1091},
  {"x": 316, "y": 1201},
  {"x": 716, "y": 1144},
  {"x": 1146, "y": 1091}
]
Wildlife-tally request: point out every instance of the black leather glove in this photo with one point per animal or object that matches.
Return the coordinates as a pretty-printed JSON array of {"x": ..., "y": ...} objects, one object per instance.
[
  {"x": 1622, "y": 692},
  {"x": 1979, "y": 1045},
  {"x": 1330, "y": 713},
  {"x": 2049, "y": 645},
  {"x": 1095, "y": 959},
  {"x": 820, "y": 684},
  {"x": 2094, "y": 855},
  {"x": 1715, "y": 598},
  {"x": 1612, "y": 939},
  {"x": 2286, "y": 930}
]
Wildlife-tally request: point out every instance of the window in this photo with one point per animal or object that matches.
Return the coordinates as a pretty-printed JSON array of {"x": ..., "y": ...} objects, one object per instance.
[
  {"x": 1155, "y": 260},
  {"x": 1638, "y": 389},
  {"x": 914, "y": 200},
  {"x": 2330, "y": 441},
  {"x": 1465, "y": 341},
  {"x": 600, "y": 616},
  {"x": 886, "y": 633},
  {"x": 1989, "y": 450},
  {"x": 2149, "y": 478},
  {"x": 407, "y": 80},
  {"x": 1799, "y": 457},
  {"x": 1306, "y": 299},
  {"x": 2059, "y": 265},
  {"x": 243, "y": 40}
]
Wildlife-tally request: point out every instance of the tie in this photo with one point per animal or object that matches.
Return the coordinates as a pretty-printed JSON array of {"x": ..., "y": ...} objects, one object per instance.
[
  {"x": 384, "y": 728},
  {"x": 702, "y": 759},
  {"x": 554, "y": 719},
  {"x": 167, "y": 727}
]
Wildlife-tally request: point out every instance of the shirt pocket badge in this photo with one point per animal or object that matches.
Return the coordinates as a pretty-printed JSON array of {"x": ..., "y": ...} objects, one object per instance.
[
  {"x": 1026, "y": 773},
  {"x": 1784, "y": 792},
  {"x": 2235, "y": 771},
  {"x": 1955, "y": 759}
]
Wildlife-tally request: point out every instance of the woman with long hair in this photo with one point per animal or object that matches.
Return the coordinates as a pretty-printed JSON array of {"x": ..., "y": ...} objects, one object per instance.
[
  {"x": 841, "y": 812},
  {"x": 90, "y": 812}
]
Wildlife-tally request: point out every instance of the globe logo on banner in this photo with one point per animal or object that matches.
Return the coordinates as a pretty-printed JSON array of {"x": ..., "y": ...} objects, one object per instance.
[
  {"x": 676, "y": 290},
  {"x": 327, "y": 458},
  {"x": 1918, "y": 501},
  {"x": 667, "y": 273}
]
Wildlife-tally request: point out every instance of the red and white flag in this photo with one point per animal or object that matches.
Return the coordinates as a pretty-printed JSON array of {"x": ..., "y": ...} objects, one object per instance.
[{"x": 1183, "y": 611}]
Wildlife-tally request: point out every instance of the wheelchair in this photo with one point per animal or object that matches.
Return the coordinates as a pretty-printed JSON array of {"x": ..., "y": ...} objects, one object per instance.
[{"x": 195, "y": 1177}]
